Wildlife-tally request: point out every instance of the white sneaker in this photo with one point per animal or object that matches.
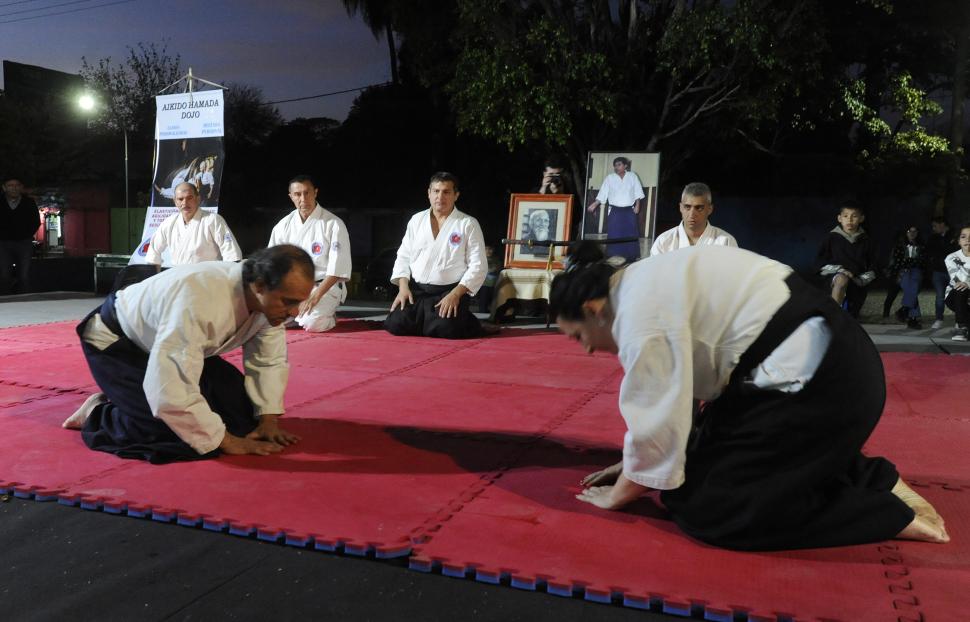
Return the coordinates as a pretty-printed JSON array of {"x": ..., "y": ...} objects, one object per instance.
[
  {"x": 960, "y": 336},
  {"x": 938, "y": 324}
]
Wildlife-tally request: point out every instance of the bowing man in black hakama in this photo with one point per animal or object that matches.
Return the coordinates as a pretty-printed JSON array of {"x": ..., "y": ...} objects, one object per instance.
[{"x": 153, "y": 348}]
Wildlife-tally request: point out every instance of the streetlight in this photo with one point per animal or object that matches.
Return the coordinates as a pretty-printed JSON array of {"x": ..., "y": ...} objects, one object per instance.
[{"x": 87, "y": 103}]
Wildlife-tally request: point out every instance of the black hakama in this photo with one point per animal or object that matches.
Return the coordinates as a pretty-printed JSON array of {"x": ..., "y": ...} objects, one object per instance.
[
  {"x": 768, "y": 470},
  {"x": 125, "y": 426},
  {"x": 422, "y": 319}
]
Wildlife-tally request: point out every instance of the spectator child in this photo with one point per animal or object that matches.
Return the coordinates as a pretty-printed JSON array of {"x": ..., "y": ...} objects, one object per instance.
[{"x": 846, "y": 259}]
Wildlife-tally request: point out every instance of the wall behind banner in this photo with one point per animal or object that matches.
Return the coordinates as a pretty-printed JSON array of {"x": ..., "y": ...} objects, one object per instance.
[{"x": 189, "y": 132}]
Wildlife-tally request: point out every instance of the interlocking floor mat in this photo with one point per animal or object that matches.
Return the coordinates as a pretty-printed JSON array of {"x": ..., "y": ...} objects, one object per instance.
[{"x": 466, "y": 456}]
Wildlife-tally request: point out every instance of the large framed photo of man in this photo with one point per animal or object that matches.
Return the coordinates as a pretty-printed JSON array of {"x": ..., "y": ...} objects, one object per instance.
[
  {"x": 538, "y": 218},
  {"x": 621, "y": 200}
]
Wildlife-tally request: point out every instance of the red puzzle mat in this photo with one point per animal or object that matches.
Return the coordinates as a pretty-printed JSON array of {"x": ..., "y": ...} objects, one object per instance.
[{"x": 466, "y": 456}]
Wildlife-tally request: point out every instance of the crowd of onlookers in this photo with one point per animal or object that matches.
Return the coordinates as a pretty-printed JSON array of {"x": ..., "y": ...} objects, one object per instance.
[{"x": 847, "y": 259}]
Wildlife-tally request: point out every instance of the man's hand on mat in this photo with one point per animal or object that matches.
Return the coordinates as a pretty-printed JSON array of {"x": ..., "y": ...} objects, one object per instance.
[
  {"x": 604, "y": 477},
  {"x": 239, "y": 446},
  {"x": 269, "y": 430},
  {"x": 620, "y": 495}
]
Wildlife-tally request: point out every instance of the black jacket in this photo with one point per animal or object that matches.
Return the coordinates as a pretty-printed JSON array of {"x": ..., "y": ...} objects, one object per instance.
[{"x": 21, "y": 223}]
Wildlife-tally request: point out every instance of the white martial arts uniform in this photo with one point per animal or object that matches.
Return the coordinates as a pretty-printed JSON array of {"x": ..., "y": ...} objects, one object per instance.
[
  {"x": 324, "y": 236},
  {"x": 682, "y": 322},
  {"x": 677, "y": 238},
  {"x": 457, "y": 255},
  {"x": 621, "y": 191},
  {"x": 206, "y": 237},
  {"x": 179, "y": 318}
]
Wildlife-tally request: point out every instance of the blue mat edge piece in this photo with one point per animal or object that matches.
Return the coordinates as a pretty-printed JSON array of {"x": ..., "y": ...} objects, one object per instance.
[
  {"x": 392, "y": 553},
  {"x": 675, "y": 610},
  {"x": 524, "y": 584},
  {"x": 717, "y": 617}
]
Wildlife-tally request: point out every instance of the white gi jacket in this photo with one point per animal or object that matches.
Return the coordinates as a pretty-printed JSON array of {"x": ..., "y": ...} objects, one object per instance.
[
  {"x": 682, "y": 322},
  {"x": 323, "y": 235},
  {"x": 186, "y": 314},
  {"x": 204, "y": 238},
  {"x": 457, "y": 255},
  {"x": 677, "y": 238},
  {"x": 621, "y": 192}
]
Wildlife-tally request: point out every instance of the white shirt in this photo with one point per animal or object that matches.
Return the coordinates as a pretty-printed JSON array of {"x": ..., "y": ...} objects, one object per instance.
[
  {"x": 621, "y": 192},
  {"x": 958, "y": 268},
  {"x": 184, "y": 315},
  {"x": 206, "y": 237},
  {"x": 323, "y": 235},
  {"x": 677, "y": 238},
  {"x": 456, "y": 255},
  {"x": 682, "y": 322}
]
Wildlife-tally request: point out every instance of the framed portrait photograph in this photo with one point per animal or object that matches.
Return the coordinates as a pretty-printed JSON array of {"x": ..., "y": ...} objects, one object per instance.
[
  {"x": 622, "y": 188},
  {"x": 538, "y": 217}
]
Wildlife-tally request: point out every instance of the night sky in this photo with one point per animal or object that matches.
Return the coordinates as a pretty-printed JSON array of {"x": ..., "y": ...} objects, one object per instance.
[{"x": 290, "y": 49}]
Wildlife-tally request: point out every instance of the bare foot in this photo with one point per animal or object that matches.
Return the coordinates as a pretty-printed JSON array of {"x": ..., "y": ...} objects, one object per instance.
[
  {"x": 76, "y": 421},
  {"x": 925, "y": 531},
  {"x": 927, "y": 525},
  {"x": 606, "y": 477}
]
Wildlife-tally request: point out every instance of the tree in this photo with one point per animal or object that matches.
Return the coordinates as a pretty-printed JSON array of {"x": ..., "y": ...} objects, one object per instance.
[
  {"x": 127, "y": 91},
  {"x": 378, "y": 15},
  {"x": 582, "y": 74}
]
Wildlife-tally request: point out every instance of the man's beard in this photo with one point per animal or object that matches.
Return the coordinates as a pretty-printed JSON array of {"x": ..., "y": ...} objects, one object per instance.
[{"x": 542, "y": 233}]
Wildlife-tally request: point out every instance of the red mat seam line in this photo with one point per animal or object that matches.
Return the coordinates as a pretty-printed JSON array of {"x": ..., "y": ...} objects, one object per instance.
[
  {"x": 947, "y": 486},
  {"x": 915, "y": 415},
  {"x": 92, "y": 477},
  {"x": 30, "y": 400},
  {"x": 421, "y": 535},
  {"x": 54, "y": 346},
  {"x": 902, "y": 594},
  {"x": 378, "y": 374}
]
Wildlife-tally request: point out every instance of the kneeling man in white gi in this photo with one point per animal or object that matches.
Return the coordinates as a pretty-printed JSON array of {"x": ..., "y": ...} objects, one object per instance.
[
  {"x": 440, "y": 263},
  {"x": 191, "y": 234},
  {"x": 153, "y": 348},
  {"x": 323, "y": 235},
  {"x": 695, "y": 228}
]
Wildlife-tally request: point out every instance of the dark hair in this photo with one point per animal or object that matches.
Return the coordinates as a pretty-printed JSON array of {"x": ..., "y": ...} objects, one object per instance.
[
  {"x": 853, "y": 205},
  {"x": 271, "y": 265},
  {"x": 301, "y": 179},
  {"x": 939, "y": 220},
  {"x": 555, "y": 161},
  {"x": 626, "y": 161},
  {"x": 587, "y": 277},
  {"x": 444, "y": 176}
]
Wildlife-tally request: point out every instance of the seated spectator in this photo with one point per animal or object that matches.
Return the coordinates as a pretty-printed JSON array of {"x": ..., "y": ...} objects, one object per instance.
[
  {"x": 696, "y": 206},
  {"x": 846, "y": 259},
  {"x": 941, "y": 243},
  {"x": 908, "y": 263},
  {"x": 958, "y": 290},
  {"x": 440, "y": 263}
]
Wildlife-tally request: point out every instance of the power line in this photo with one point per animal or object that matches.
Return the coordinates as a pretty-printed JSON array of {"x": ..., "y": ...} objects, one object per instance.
[
  {"x": 44, "y": 8},
  {"x": 77, "y": 10},
  {"x": 19, "y": 2},
  {"x": 299, "y": 99}
]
